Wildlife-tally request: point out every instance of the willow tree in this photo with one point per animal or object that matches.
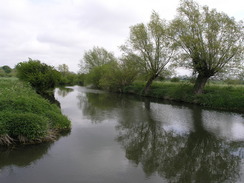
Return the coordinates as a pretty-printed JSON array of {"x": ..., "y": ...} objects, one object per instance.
[
  {"x": 150, "y": 47},
  {"x": 96, "y": 57},
  {"x": 212, "y": 42}
]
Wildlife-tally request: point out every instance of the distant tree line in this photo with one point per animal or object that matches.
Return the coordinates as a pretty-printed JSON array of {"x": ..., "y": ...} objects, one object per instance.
[{"x": 6, "y": 71}]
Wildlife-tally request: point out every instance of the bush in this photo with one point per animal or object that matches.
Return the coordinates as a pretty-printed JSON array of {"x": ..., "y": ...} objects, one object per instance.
[
  {"x": 94, "y": 76},
  {"x": 175, "y": 79},
  {"x": 68, "y": 79},
  {"x": 117, "y": 76},
  {"x": 111, "y": 76},
  {"x": 41, "y": 76},
  {"x": 80, "y": 79}
]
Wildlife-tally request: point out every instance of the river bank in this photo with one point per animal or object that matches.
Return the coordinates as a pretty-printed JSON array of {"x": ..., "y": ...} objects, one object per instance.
[
  {"x": 222, "y": 97},
  {"x": 26, "y": 117}
]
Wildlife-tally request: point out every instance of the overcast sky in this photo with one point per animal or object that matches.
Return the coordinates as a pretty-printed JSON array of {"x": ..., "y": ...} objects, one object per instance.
[{"x": 59, "y": 31}]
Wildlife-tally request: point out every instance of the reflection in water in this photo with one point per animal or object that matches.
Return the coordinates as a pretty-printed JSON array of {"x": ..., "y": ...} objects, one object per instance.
[
  {"x": 195, "y": 156},
  {"x": 204, "y": 157},
  {"x": 64, "y": 91},
  {"x": 22, "y": 156},
  {"x": 99, "y": 107}
]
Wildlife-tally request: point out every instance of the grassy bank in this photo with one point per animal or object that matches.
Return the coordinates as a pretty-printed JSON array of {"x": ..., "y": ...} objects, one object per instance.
[
  {"x": 224, "y": 97},
  {"x": 25, "y": 116}
]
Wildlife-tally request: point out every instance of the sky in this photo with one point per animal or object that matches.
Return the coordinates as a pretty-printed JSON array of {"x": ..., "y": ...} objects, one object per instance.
[{"x": 60, "y": 31}]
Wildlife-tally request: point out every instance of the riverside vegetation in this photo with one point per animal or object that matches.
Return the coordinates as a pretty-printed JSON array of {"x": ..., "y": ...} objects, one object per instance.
[
  {"x": 224, "y": 97},
  {"x": 26, "y": 117},
  {"x": 207, "y": 42}
]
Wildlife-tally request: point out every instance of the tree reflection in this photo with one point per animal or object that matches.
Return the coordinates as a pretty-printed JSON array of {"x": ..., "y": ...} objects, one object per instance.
[
  {"x": 100, "y": 106},
  {"x": 63, "y": 91},
  {"x": 195, "y": 157},
  {"x": 22, "y": 155}
]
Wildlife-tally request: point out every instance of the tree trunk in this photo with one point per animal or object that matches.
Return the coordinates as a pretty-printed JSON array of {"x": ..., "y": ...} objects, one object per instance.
[
  {"x": 200, "y": 83},
  {"x": 148, "y": 85}
]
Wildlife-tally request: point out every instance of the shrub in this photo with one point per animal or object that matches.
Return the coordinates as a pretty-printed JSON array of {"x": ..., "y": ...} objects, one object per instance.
[
  {"x": 41, "y": 76},
  {"x": 94, "y": 76},
  {"x": 111, "y": 76},
  {"x": 117, "y": 76},
  {"x": 175, "y": 79}
]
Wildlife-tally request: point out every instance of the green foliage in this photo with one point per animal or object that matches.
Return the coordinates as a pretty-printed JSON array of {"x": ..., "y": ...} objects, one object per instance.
[
  {"x": 150, "y": 47},
  {"x": 215, "y": 96},
  {"x": 94, "y": 76},
  {"x": 95, "y": 58},
  {"x": 41, "y": 76},
  {"x": 174, "y": 79},
  {"x": 63, "y": 69},
  {"x": 210, "y": 42},
  {"x": 233, "y": 81},
  {"x": 57, "y": 121},
  {"x": 26, "y": 115},
  {"x": 104, "y": 72},
  {"x": 225, "y": 97},
  {"x": 199, "y": 38},
  {"x": 69, "y": 79},
  {"x": 117, "y": 76},
  {"x": 80, "y": 79},
  {"x": 29, "y": 125},
  {"x": 111, "y": 76},
  {"x": 6, "y": 69}
]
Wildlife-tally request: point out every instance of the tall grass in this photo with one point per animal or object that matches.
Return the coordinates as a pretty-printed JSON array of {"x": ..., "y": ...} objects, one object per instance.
[
  {"x": 226, "y": 97},
  {"x": 27, "y": 117}
]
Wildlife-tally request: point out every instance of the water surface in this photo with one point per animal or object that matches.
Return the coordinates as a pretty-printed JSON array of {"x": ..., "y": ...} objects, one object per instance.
[{"x": 122, "y": 138}]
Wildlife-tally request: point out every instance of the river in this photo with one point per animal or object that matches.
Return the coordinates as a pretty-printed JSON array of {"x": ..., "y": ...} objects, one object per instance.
[{"x": 123, "y": 138}]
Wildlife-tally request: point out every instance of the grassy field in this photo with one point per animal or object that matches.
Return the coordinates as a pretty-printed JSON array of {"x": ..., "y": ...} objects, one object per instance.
[
  {"x": 26, "y": 117},
  {"x": 217, "y": 96}
]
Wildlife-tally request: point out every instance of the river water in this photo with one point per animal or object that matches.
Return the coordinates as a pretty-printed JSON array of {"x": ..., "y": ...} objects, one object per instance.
[{"x": 123, "y": 138}]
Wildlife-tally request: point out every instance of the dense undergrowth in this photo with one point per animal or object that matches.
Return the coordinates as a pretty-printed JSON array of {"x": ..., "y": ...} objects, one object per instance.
[
  {"x": 26, "y": 117},
  {"x": 224, "y": 97}
]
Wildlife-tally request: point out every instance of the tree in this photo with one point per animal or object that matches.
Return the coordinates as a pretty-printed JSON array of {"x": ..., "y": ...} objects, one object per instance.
[
  {"x": 211, "y": 42},
  {"x": 116, "y": 76},
  {"x": 7, "y": 69},
  {"x": 63, "y": 69},
  {"x": 41, "y": 76},
  {"x": 112, "y": 76},
  {"x": 104, "y": 70},
  {"x": 150, "y": 47},
  {"x": 96, "y": 57}
]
